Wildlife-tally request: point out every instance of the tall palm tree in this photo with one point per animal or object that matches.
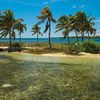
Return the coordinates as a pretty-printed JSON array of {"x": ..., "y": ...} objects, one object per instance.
[
  {"x": 19, "y": 26},
  {"x": 63, "y": 25},
  {"x": 46, "y": 16},
  {"x": 36, "y": 30}
]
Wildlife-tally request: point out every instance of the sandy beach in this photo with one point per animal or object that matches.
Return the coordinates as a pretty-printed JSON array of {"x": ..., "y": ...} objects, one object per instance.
[{"x": 82, "y": 54}]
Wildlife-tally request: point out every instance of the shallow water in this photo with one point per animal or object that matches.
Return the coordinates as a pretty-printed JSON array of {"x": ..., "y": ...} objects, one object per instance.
[{"x": 29, "y": 77}]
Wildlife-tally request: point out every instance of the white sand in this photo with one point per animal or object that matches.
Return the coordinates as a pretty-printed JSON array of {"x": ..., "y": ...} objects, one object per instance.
[
  {"x": 3, "y": 47},
  {"x": 82, "y": 54}
]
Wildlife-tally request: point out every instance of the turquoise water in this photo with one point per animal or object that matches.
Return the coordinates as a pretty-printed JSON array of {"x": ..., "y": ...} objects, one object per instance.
[
  {"x": 49, "y": 78},
  {"x": 53, "y": 40}
]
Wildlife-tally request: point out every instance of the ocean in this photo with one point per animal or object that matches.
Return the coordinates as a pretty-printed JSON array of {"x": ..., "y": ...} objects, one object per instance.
[{"x": 53, "y": 40}]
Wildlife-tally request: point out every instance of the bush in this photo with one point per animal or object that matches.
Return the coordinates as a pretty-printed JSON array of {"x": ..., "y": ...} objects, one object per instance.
[
  {"x": 75, "y": 48},
  {"x": 91, "y": 47},
  {"x": 16, "y": 47}
]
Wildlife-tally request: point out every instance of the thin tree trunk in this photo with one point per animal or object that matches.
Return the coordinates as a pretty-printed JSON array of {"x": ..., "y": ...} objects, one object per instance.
[
  {"x": 68, "y": 38},
  {"x": 88, "y": 36},
  {"x": 37, "y": 38},
  {"x": 49, "y": 37},
  {"x": 82, "y": 37},
  {"x": 10, "y": 42},
  {"x": 76, "y": 36},
  {"x": 20, "y": 38}
]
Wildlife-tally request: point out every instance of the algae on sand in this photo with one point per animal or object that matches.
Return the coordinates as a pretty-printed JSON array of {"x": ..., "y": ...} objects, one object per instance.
[{"x": 49, "y": 78}]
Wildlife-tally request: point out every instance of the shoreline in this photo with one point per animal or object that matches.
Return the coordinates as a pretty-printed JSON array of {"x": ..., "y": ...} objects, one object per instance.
[
  {"x": 82, "y": 54},
  {"x": 59, "y": 54}
]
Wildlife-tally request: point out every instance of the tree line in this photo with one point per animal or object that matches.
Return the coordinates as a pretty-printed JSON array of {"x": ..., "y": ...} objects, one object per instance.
[{"x": 80, "y": 24}]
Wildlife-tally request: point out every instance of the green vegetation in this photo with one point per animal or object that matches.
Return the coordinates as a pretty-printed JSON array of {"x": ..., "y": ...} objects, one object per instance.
[
  {"x": 75, "y": 48},
  {"x": 81, "y": 24},
  {"x": 42, "y": 48},
  {"x": 91, "y": 47},
  {"x": 72, "y": 48},
  {"x": 8, "y": 26},
  {"x": 49, "y": 78},
  {"x": 46, "y": 15},
  {"x": 36, "y": 30}
]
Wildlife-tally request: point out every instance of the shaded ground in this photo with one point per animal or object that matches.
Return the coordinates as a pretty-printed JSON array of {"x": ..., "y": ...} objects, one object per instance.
[{"x": 49, "y": 78}]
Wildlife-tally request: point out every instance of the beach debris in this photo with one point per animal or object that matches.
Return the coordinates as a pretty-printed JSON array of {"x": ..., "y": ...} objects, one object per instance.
[{"x": 6, "y": 85}]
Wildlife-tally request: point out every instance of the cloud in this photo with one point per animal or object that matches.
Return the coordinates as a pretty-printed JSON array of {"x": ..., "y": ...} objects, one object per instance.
[
  {"x": 82, "y": 6},
  {"x": 54, "y": 1},
  {"x": 74, "y": 6},
  {"x": 45, "y": 3}
]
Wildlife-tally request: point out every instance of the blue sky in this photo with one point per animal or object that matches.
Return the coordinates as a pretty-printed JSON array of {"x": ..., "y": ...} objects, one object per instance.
[{"x": 29, "y": 9}]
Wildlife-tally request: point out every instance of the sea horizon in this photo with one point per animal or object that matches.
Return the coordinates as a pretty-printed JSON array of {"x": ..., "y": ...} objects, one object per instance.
[{"x": 53, "y": 40}]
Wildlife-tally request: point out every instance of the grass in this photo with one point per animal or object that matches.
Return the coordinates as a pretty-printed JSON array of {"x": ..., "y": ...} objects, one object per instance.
[
  {"x": 43, "y": 48},
  {"x": 49, "y": 78}
]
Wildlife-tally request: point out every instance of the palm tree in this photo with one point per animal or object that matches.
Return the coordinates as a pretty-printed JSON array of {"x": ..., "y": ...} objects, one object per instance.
[
  {"x": 8, "y": 22},
  {"x": 36, "y": 30},
  {"x": 46, "y": 16},
  {"x": 89, "y": 27},
  {"x": 63, "y": 25},
  {"x": 92, "y": 31},
  {"x": 20, "y": 27},
  {"x": 8, "y": 26},
  {"x": 81, "y": 23}
]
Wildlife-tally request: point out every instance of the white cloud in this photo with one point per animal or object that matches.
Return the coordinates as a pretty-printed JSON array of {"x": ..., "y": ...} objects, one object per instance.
[
  {"x": 82, "y": 6},
  {"x": 54, "y": 1},
  {"x": 44, "y": 3}
]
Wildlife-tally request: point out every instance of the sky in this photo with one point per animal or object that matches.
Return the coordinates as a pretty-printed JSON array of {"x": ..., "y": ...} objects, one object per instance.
[{"x": 29, "y": 9}]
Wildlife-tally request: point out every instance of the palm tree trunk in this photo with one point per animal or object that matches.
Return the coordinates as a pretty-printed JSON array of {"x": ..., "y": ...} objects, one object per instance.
[
  {"x": 49, "y": 37},
  {"x": 68, "y": 38},
  {"x": 76, "y": 36},
  {"x": 88, "y": 36},
  {"x": 37, "y": 38},
  {"x": 20, "y": 38},
  {"x": 10, "y": 42},
  {"x": 82, "y": 37}
]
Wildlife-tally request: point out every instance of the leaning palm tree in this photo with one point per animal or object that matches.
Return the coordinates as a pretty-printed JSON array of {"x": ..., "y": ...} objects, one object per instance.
[
  {"x": 19, "y": 26},
  {"x": 36, "y": 30},
  {"x": 46, "y": 15},
  {"x": 64, "y": 26}
]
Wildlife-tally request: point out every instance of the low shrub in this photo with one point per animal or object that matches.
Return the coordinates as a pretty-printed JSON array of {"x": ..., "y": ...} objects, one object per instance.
[
  {"x": 91, "y": 47},
  {"x": 75, "y": 48},
  {"x": 15, "y": 47}
]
